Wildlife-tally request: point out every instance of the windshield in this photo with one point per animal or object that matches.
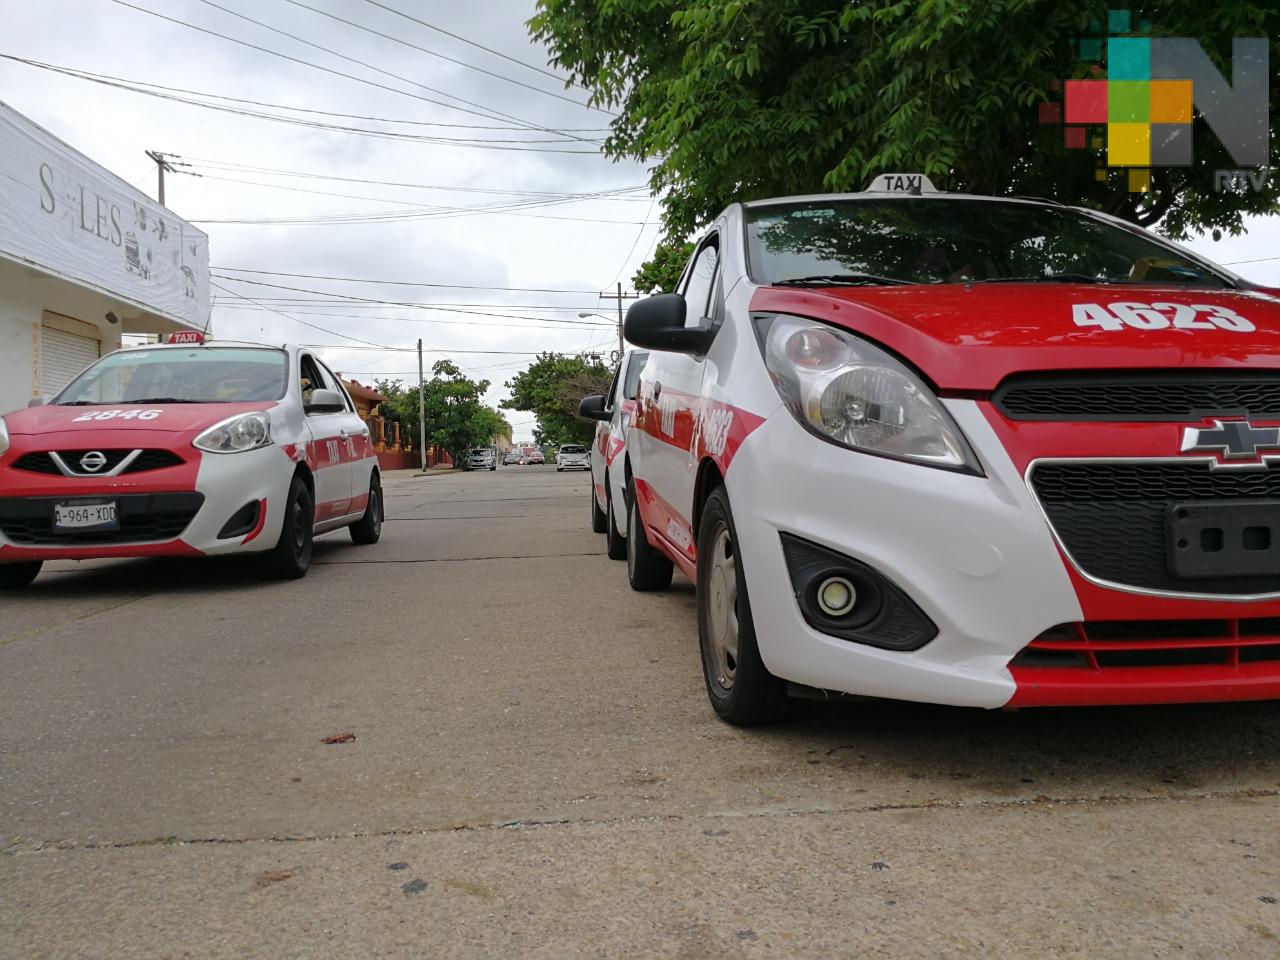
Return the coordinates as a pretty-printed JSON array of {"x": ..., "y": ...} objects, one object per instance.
[
  {"x": 198, "y": 375},
  {"x": 928, "y": 240},
  {"x": 571, "y": 448}
]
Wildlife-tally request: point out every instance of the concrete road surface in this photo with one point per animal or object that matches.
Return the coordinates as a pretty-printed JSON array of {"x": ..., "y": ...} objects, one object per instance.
[{"x": 536, "y": 773}]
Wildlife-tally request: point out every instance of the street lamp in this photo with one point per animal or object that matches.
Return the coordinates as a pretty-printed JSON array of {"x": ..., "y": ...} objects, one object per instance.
[{"x": 588, "y": 313}]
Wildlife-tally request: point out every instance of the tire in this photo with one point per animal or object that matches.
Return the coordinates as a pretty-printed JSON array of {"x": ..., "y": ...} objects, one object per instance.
[
  {"x": 368, "y": 529},
  {"x": 16, "y": 576},
  {"x": 615, "y": 544},
  {"x": 291, "y": 556},
  {"x": 647, "y": 569},
  {"x": 559, "y": 469},
  {"x": 741, "y": 690},
  {"x": 598, "y": 518}
]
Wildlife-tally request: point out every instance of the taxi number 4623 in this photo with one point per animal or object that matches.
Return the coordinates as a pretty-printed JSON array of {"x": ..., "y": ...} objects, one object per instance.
[{"x": 1159, "y": 316}]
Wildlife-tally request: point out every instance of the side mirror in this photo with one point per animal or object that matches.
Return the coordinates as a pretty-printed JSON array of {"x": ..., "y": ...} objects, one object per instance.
[
  {"x": 36, "y": 402},
  {"x": 657, "y": 323},
  {"x": 325, "y": 401},
  {"x": 593, "y": 408}
]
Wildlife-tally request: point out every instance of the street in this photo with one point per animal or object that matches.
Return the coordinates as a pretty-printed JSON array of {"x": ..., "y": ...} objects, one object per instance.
[{"x": 535, "y": 772}]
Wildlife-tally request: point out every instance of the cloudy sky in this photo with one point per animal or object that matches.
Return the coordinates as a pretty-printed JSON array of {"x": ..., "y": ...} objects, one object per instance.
[{"x": 568, "y": 222}]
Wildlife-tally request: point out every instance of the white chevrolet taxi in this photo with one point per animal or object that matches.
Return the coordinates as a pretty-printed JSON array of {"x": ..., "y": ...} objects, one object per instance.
[
  {"x": 962, "y": 450},
  {"x": 194, "y": 449},
  {"x": 614, "y": 413}
]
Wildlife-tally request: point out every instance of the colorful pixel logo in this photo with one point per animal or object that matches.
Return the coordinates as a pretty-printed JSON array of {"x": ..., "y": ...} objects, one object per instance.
[{"x": 1152, "y": 87}]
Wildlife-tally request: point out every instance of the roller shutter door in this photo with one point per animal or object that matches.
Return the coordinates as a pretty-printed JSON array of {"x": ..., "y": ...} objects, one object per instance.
[{"x": 62, "y": 356}]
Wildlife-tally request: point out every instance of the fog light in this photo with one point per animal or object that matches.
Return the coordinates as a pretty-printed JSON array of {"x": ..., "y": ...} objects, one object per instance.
[{"x": 836, "y": 596}]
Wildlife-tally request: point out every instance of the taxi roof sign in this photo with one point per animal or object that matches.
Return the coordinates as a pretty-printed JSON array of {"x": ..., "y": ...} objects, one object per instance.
[
  {"x": 909, "y": 183},
  {"x": 186, "y": 336}
]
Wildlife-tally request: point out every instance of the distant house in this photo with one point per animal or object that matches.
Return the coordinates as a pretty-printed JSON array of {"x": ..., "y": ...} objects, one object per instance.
[{"x": 365, "y": 398}]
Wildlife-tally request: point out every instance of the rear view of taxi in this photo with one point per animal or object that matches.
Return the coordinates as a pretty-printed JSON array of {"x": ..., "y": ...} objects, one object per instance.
[
  {"x": 614, "y": 414},
  {"x": 186, "y": 450},
  {"x": 960, "y": 450}
]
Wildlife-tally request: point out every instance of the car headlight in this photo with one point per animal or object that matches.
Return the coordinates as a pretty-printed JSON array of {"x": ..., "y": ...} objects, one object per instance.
[
  {"x": 4, "y": 437},
  {"x": 248, "y": 431},
  {"x": 849, "y": 392}
]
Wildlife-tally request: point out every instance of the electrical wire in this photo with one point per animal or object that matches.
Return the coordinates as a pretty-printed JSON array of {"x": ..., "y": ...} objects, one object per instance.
[
  {"x": 482, "y": 111},
  {"x": 313, "y": 326},
  {"x": 434, "y": 53},
  {"x": 398, "y": 283},
  {"x": 478, "y": 46}
]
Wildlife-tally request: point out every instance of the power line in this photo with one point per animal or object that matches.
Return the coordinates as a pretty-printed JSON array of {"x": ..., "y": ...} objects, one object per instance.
[
  {"x": 1236, "y": 263},
  {"x": 301, "y": 302},
  {"x": 612, "y": 194},
  {"x": 461, "y": 39},
  {"x": 398, "y": 283},
  {"x": 550, "y": 324},
  {"x": 488, "y": 114},
  {"x": 313, "y": 326},
  {"x": 433, "y": 53}
]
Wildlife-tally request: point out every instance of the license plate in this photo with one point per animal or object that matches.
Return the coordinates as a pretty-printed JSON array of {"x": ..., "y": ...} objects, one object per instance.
[
  {"x": 1235, "y": 539},
  {"x": 82, "y": 516}
]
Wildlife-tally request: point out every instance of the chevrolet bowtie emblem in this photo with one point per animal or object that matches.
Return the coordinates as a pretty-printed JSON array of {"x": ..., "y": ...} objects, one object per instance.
[{"x": 1234, "y": 439}]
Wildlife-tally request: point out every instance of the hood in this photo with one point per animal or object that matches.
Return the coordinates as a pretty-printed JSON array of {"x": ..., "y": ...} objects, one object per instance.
[
  {"x": 971, "y": 337},
  {"x": 168, "y": 418}
]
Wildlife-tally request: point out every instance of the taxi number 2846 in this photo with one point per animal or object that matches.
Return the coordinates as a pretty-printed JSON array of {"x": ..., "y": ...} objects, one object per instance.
[
  {"x": 118, "y": 415},
  {"x": 1159, "y": 316}
]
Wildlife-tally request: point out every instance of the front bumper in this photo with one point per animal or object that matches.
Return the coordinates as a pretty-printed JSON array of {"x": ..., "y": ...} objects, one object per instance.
[
  {"x": 977, "y": 556},
  {"x": 177, "y": 511}
]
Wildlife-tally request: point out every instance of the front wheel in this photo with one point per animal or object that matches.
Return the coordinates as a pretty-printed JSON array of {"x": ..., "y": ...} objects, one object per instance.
[
  {"x": 15, "y": 576},
  {"x": 647, "y": 569},
  {"x": 615, "y": 544},
  {"x": 741, "y": 689},
  {"x": 291, "y": 557},
  {"x": 368, "y": 529}
]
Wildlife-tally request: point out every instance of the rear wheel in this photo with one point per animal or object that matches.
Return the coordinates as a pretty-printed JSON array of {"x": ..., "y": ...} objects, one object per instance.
[
  {"x": 615, "y": 544},
  {"x": 15, "y": 576},
  {"x": 292, "y": 554},
  {"x": 368, "y": 529},
  {"x": 647, "y": 569},
  {"x": 742, "y": 691},
  {"x": 598, "y": 519}
]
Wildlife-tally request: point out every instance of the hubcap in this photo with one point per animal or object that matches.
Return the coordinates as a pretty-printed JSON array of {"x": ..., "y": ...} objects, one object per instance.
[
  {"x": 631, "y": 541},
  {"x": 375, "y": 504},
  {"x": 722, "y": 608},
  {"x": 299, "y": 529}
]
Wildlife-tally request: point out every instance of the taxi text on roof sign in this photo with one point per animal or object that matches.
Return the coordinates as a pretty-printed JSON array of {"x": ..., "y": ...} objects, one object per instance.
[
  {"x": 186, "y": 336},
  {"x": 913, "y": 183}
]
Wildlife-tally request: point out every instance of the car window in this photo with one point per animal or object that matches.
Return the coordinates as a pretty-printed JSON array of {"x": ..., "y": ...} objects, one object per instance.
[
  {"x": 631, "y": 386},
  {"x": 612, "y": 395},
  {"x": 334, "y": 382},
  {"x": 311, "y": 377},
  {"x": 572, "y": 448},
  {"x": 197, "y": 375},
  {"x": 697, "y": 290}
]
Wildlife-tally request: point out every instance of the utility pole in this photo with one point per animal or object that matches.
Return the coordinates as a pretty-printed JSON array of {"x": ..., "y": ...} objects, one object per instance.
[
  {"x": 422, "y": 415},
  {"x": 162, "y": 164},
  {"x": 620, "y": 296}
]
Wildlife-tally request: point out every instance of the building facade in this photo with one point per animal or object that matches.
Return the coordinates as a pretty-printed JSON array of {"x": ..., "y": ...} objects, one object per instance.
[{"x": 84, "y": 259}]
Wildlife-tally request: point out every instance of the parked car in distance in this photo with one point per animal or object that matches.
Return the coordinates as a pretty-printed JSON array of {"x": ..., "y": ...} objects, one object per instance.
[
  {"x": 187, "y": 450},
  {"x": 534, "y": 456},
  {"x": 481, "y": 458},
  {"x": 614, "y": 414},
  {"x": 511, "y": 459},
  {"x": 966, "y": 450},
  {"x": 572, "y": 456}
]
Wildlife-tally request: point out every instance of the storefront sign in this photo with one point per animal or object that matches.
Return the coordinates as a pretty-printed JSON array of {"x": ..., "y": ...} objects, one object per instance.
[{"x": 64, "y": 214}]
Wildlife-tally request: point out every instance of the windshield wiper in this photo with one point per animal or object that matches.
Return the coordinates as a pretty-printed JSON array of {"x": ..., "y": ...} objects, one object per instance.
[
  {"x": 1047, "y": 278},
  {"x": 169, "y": 400},
  {"x": 79, "y": 403},
  {"x": 841, "y": 280}
]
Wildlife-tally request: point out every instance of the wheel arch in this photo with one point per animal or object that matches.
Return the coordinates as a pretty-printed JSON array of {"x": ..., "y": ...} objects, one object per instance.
[{"x": 708, "y": 479}]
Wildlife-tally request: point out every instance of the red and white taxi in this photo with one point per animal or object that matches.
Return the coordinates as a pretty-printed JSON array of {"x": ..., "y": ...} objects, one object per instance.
[
  {"x": 187, "y": 450},
  {"x": 614, "y": 413},
  {"x": 960, "y": 450}
]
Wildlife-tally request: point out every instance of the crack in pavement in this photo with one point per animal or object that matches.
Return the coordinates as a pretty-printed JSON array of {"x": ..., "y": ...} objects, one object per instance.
[
  {"x": 534, "y": 556},
  {"x": 84, "y": 616},
  {"x": 56, "y": 846}
]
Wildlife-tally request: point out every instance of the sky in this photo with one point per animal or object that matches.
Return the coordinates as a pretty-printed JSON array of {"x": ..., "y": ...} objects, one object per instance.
[{"x": 561, "y": 249}]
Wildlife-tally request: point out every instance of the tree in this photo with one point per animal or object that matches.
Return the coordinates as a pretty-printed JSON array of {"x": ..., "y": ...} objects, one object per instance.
[
  {"x": 551, "y": 389},
  {"x": 742, "y": 99},
  {"x": 661, "y": 273},
  {"x": 456, "y": 418}
]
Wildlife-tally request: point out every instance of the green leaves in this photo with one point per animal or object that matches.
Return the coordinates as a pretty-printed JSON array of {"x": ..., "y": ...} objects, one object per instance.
[
  {"x": 741, "y": 99},
  {"x": 551, "y": 389}
]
